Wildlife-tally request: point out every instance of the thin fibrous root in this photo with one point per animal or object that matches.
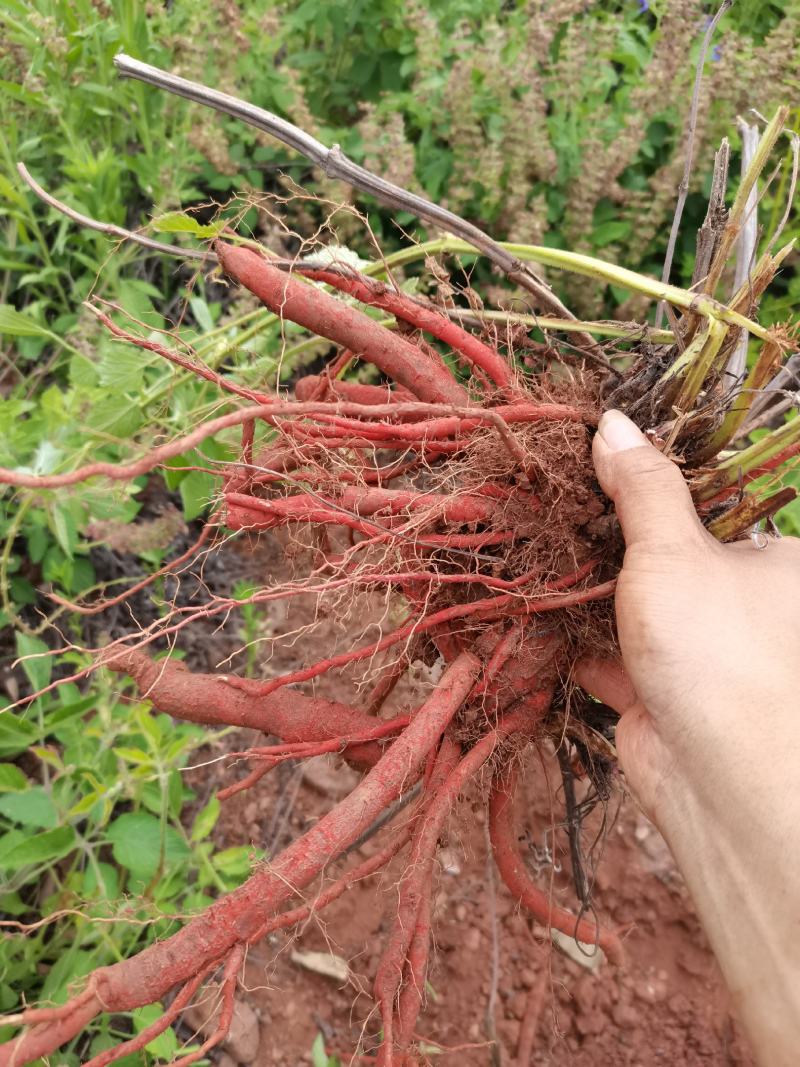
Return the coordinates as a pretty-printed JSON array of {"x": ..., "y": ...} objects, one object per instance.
[{"x": 515, "y": 875}]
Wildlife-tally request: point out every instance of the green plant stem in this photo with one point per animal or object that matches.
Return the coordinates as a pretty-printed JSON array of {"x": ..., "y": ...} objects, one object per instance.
[{"x": 749, "y": 459}]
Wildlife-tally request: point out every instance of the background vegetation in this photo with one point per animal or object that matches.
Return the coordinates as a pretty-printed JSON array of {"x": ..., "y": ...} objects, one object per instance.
[{"x": 552, "y": 121}]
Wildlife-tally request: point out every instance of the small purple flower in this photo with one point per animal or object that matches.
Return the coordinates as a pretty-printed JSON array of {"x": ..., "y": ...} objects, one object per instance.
[
  {"x": 644, "y": 5},
  {"x": 716, "y": 53}
]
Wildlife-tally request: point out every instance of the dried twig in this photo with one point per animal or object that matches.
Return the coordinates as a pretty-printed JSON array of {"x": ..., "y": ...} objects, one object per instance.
[
  {"x": 716, "y": 216},
  {"x": 335, "y": 164},
  {"x": 109, "y": 228},
  {"x": 745, "y": 246},
  {"x": 691, "y": 129}
]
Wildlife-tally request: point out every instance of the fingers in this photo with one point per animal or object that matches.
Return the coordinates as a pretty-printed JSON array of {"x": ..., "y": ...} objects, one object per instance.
[
  {"x": 608, "y": 682},
  {"x": 651, "y": 498}
]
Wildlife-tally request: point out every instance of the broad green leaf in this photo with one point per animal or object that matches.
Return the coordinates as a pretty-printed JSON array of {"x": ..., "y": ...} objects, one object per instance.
[
  {"x": 165, "y": 1045},
  {"x": 205, "y": 820},
  {"x": 319, "y": 1057},
  {"x": 16, "y": 734},
  {"x": 201, "y": 313},
  {"x": 178, "y": 222},
  {"x": 65, "y": 530},
  {"x": 33, "y": 807},
  {"x": 41, "y": 848},
  {"x": 106, "y": 887},
  {"x": 136, "y": 839},
  {"x": 68, "y": 968},
  {"x": 46, "y": 458},
  {"x": 49, "y": 756},
  {"x": 122, "y": 367},
  {"x": 12, "y": 780},
  {"x": 18, "y": 324},
  {"x": 197, "y": 491},
  {"x": 236, "y": 862}
]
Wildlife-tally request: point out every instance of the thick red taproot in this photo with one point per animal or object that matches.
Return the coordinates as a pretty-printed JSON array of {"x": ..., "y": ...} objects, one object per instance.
[
  {"x": 380, "y": 295},
  {"x": 240, "y": 916},
  {"x": 207, "y": 698},
  {"x": 328, "y": 317}
]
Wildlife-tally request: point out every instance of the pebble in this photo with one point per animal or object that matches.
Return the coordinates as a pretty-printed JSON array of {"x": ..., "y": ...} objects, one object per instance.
[
  {"x": 243, "y": 1037},
  {"x": 460, "y": 912},
  {"x": 625, "y": 1016},
  {"x": 472, "y": 939},
  {"x": 527, "y": 978}
]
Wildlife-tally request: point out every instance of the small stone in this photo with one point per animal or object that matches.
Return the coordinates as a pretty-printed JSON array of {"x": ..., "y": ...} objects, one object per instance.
[
  {"x": 527, "y": 978},
  {"x": 625, "y": 1016},
  {"x": 589, "y": 1023},
  {"x": 449, "y": 862},
  {"x": 225, "y": 1060},
  {"x": 243, "y": 1037},
  {"x": 460, "y": 912},
  {"x": 474, "y": 1032},
  {"x": 679, "y": 1004},
  {"x": 472, "y": 939}
]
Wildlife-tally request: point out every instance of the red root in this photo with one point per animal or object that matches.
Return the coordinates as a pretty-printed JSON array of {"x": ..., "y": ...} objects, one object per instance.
[
  {"x": 379, "y": 295},
  {"x": 328, "y": 317},
  {"x": 237, "y": 918},
  {"x": 213, "y": 700},
  {"x": 515, "y": 875},
  {"x": 308, "y": 388}
]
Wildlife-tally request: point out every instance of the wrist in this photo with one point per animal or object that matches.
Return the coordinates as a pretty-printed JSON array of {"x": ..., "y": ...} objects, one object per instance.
[{"x": 735, "y": 835}]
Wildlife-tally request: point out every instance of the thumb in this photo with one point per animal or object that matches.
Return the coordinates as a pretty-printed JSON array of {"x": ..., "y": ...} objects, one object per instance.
[{"x": 651, "y": 498}]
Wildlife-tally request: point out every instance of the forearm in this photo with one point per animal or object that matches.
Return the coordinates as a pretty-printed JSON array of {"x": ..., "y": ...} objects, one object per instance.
[{"x": 739, "y": 851}]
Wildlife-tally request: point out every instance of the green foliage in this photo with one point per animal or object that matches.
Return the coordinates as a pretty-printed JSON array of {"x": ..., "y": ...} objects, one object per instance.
[
  {"x": 94, "y": 831},
  {"x": 319, "y": 1056}
]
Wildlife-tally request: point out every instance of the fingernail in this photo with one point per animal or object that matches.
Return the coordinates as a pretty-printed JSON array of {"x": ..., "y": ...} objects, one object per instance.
[{"x": 619, "y": 433}]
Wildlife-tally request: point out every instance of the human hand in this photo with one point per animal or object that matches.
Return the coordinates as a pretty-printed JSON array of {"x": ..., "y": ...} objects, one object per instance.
[
  {"x": 709, "y": 633},
  {"x": 709, "y": 735}
]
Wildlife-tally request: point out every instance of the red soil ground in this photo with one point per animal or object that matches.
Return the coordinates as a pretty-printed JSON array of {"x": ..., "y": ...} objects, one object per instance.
[{"x": 667, "y": 1006}]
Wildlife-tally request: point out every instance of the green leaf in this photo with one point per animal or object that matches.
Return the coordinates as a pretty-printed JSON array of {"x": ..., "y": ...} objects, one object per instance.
[
  {"x": 205, "y": 820},
  {"x": 608, "y": 232},
  {"x": 18, "y": 324},
  {"x": 197, "y": 491},
  {"x": 133, "y": 755},
  {"x": 106, "y": 887},
  {"x": 319, "y": 1057},
  {"x": 16, "y": 734},
  {"x": 37, "y": 670},
  {"x": 234, "y": 862},
  {"x": 68, "y": 968},
  {"x": 12, "y": 780},
  {"x": 178, "y": 222},
  {"x": 65, "y": 530},
  {"x": 33, "y": 807},
  {"x": 41, "y": 848},
  {"x": 123, "y": 368},
  {"x": 202, "y": 314},
  {"x": 165, "y": 1045},
  {"x": 136, "y": 839}
]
